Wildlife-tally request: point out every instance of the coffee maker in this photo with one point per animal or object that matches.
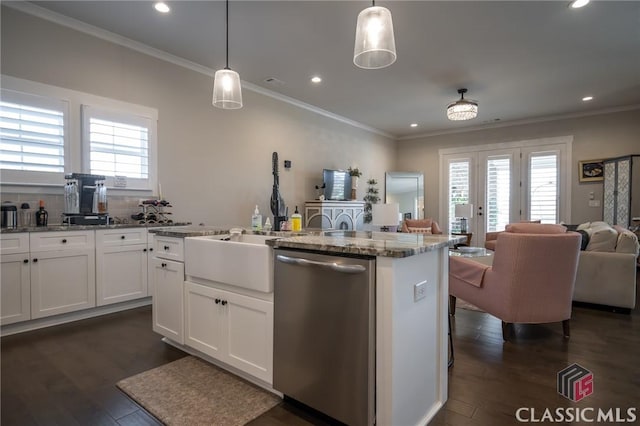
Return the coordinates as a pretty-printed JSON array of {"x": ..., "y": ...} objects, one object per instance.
[{"x": 85, "y": 200}]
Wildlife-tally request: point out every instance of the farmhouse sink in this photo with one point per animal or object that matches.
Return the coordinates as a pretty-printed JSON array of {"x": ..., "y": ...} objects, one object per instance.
[{"x": 238, "y": 260}]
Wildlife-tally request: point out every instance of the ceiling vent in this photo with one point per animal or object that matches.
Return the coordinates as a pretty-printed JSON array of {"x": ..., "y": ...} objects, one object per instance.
[{"x": 273, "y": 81}]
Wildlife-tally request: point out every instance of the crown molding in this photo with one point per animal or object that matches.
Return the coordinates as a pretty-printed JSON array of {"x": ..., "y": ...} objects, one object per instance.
[
  {"x": 57, "y": 18},
  {"x": 522, "y": 122}
]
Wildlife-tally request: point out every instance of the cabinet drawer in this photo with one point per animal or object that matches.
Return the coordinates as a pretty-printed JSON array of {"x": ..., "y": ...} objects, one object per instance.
[
  {"x": 169, "y": 248},
  {"x": 121, "y": 237},
  {"x": 14, "y": 243},
  {"x": 64, "y": 240}
]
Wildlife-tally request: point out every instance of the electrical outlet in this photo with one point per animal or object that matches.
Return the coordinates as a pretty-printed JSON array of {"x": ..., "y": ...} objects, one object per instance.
[{"x": 419, "y": 291}]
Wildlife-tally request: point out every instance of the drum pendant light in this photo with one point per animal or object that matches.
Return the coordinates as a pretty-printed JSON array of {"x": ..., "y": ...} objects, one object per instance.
[
  {"x": 375, "y": 45},
  {"x": 227, "y": 92},
  {"x": 462, "y": 109}
]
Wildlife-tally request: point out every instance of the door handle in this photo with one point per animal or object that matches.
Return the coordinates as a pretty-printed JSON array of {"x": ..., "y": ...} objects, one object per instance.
[{"x": 346, "y": 269}]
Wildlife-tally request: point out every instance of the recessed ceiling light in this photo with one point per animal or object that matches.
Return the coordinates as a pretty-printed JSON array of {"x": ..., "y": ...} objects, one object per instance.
[
  {"x": 162, "y": 7},
  {"x": 587, "y": 98},
  {"x": 414, "y": 124},
  {"x": 316, "y": 79},
  {"x": 576, "y": 4}
]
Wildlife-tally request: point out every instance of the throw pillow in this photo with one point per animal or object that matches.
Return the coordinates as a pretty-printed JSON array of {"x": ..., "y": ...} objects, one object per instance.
[
  {"x": 602, "y": 238},
  {"x": 627, "y": 242}
]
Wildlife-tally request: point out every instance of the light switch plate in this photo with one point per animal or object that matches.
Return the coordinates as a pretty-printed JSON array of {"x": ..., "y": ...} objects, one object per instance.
[{"x": 419, "y": 291}]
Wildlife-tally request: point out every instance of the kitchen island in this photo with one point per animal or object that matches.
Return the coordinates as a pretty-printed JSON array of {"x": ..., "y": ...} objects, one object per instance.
[{"x": 410, "y": 309}]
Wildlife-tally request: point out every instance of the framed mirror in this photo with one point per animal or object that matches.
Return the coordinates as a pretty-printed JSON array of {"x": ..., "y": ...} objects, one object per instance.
[{"x": 406, "y": 189}]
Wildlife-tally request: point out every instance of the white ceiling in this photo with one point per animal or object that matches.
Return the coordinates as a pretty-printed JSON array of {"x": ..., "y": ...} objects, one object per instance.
[{"x": 521, "y": 60}]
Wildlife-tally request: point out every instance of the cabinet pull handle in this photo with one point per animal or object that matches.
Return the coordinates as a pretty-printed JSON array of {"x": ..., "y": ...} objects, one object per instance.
[
  {"x": 64, "y": 240},
  {"x": 217, "y": 301},
  {"x": 151, "y": 249},
  {"x": 25, "y": 261},
  {"x": 144, "y": 250},
  {"x": 35, "y": 260},
  {"x": 122, "y": 237},
  {"x": 166, "y": 247},
  {"x": 224, "y": 302},
  {"x": 164, "y": 265}
]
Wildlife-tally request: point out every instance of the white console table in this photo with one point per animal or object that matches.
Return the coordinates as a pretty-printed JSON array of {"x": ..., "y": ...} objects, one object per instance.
[{"x": 346, "y": 215}]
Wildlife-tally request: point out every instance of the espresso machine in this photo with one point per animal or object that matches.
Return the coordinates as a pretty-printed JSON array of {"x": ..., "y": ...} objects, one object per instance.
[{"x": 85, "y": 200}]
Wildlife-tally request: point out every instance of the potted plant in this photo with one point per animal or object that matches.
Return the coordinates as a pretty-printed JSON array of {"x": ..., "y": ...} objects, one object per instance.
[{"x": 370, "y": 199}]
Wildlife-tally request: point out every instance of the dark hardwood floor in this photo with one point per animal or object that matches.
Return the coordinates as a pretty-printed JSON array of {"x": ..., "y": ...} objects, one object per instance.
[{"x": 66, "y": 375}]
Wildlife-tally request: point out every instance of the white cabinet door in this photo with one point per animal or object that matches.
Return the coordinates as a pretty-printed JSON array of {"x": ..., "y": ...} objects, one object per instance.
[
  {"x": 204, "y": 319},
  {"x": 168, "y": 313},
  {"x": 62, "y": 281},
  {"x": 15, "y": 282},
  {"x": 150, "y": 252},
  {"x": 121, "y": 273},
  {"x": 250, "y": 334},
  {"x": 230, "y": 327}
]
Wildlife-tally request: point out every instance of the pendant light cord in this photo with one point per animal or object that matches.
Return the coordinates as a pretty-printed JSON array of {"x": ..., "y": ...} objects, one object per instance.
[{"x": 227, "y": 24}]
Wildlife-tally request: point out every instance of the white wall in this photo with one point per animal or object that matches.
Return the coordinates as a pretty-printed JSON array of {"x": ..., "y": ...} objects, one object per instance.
[
  {"x": 214, "y": 165},
  {"x": 594, "y": 137}
]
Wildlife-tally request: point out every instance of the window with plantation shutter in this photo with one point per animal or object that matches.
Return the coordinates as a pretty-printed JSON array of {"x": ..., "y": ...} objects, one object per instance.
[
  {"x": 33, "y": 140},
  {"x": 117, "y": 144},
  {"x": 458, "y": 189},
  {"x": 543, "y": 187}
]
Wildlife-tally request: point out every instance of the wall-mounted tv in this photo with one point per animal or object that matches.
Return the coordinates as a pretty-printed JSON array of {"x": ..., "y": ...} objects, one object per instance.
[{"x": 337, "y": 184}]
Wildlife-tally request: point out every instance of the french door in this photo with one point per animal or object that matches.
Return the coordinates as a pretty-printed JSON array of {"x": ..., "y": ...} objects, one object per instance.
[{"x": 506, "y": 183}]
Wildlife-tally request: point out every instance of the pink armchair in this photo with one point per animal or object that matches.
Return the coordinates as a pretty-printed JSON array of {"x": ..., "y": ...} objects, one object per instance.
[
  {"x": 530, "y": 280},
  {"x": 421, "y": 226}
]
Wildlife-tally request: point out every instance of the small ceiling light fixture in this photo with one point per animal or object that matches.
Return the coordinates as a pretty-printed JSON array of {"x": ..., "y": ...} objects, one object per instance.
[
  {"x": 316, "y": 79},
  {"x": 227, "y": 92},
  {"x": 462, "y": 109},
  {"x": 413, "y": 124},
  {"x": 587, "y": 98},
  {"x": 375, "y": 45},
  {"x": 577, "y": 4},
  {"x": 162, "y": 7}
]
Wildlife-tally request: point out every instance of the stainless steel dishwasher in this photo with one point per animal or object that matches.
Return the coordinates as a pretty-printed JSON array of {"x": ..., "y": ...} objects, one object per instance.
[{"x": 324, "y": 333}]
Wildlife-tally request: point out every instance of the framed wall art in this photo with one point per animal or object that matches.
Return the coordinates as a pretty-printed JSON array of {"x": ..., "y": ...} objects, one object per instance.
[{"x": 591, "y": 171}]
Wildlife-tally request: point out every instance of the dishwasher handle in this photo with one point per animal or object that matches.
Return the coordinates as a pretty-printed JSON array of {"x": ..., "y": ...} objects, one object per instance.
[{"x": 346, "y": 269}]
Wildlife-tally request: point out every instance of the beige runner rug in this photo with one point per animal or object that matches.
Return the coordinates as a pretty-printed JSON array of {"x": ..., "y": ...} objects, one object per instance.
[{"x": 190, "y": 391}]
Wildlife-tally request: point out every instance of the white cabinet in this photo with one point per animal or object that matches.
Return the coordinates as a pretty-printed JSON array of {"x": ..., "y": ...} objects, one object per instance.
[
  {"x": 231, "y": 327},
  {"x": 63, "y": 272},
  {"x": 121, "y": 265},
  {"x": 167, "y": 277},
  {"x": 15, "y": 279}
]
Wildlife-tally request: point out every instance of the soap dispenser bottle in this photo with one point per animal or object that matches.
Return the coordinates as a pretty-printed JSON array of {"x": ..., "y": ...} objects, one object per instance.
[
  {"x": 256, "y": 220},
  {"x": 296, "y": 221}
]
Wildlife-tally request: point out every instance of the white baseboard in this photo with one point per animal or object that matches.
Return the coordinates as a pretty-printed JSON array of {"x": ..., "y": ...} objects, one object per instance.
[{"x": 36, "y": 324}]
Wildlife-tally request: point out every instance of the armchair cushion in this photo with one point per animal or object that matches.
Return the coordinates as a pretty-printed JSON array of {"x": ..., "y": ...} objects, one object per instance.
[
  {"x": 535, "y": 228},
  {"x": 419, "y": 230}
]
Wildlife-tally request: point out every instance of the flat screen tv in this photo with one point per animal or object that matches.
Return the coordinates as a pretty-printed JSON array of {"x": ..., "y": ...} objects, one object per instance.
[{"x": 337, "y": 184}]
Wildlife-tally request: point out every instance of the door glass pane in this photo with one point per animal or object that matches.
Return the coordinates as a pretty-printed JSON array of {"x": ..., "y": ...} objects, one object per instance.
[
  {"x": 543, "y": 188},
  {"x": 458, "y": 190},
  {"x": 498, "y": 193}
]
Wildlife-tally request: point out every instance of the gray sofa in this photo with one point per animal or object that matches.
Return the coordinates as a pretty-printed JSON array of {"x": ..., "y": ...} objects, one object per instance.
[{"x": 607, "y": 267}]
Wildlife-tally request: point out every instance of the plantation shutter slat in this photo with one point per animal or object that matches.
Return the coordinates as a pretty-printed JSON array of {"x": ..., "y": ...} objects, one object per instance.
[
  {"x": 458, "y": 189},
  {"x": 543, "y": 188}
]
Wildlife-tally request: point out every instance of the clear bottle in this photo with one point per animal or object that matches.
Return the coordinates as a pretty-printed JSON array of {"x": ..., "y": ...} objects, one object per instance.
[
  {"x": 75, "y": 198},
  {"x": 256, "y": 220},
  {"x": 96, "y": 197},
  {"x": 296, "y": 221},
  {"x": 102, "y": 199},
  {"x": 25, "y": 215}
]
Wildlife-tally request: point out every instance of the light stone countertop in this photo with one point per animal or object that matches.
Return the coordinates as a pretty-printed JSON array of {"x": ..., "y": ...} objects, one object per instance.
[
  {"x": 385, "y": 244},
  {"x": 57, "y": 228}
]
